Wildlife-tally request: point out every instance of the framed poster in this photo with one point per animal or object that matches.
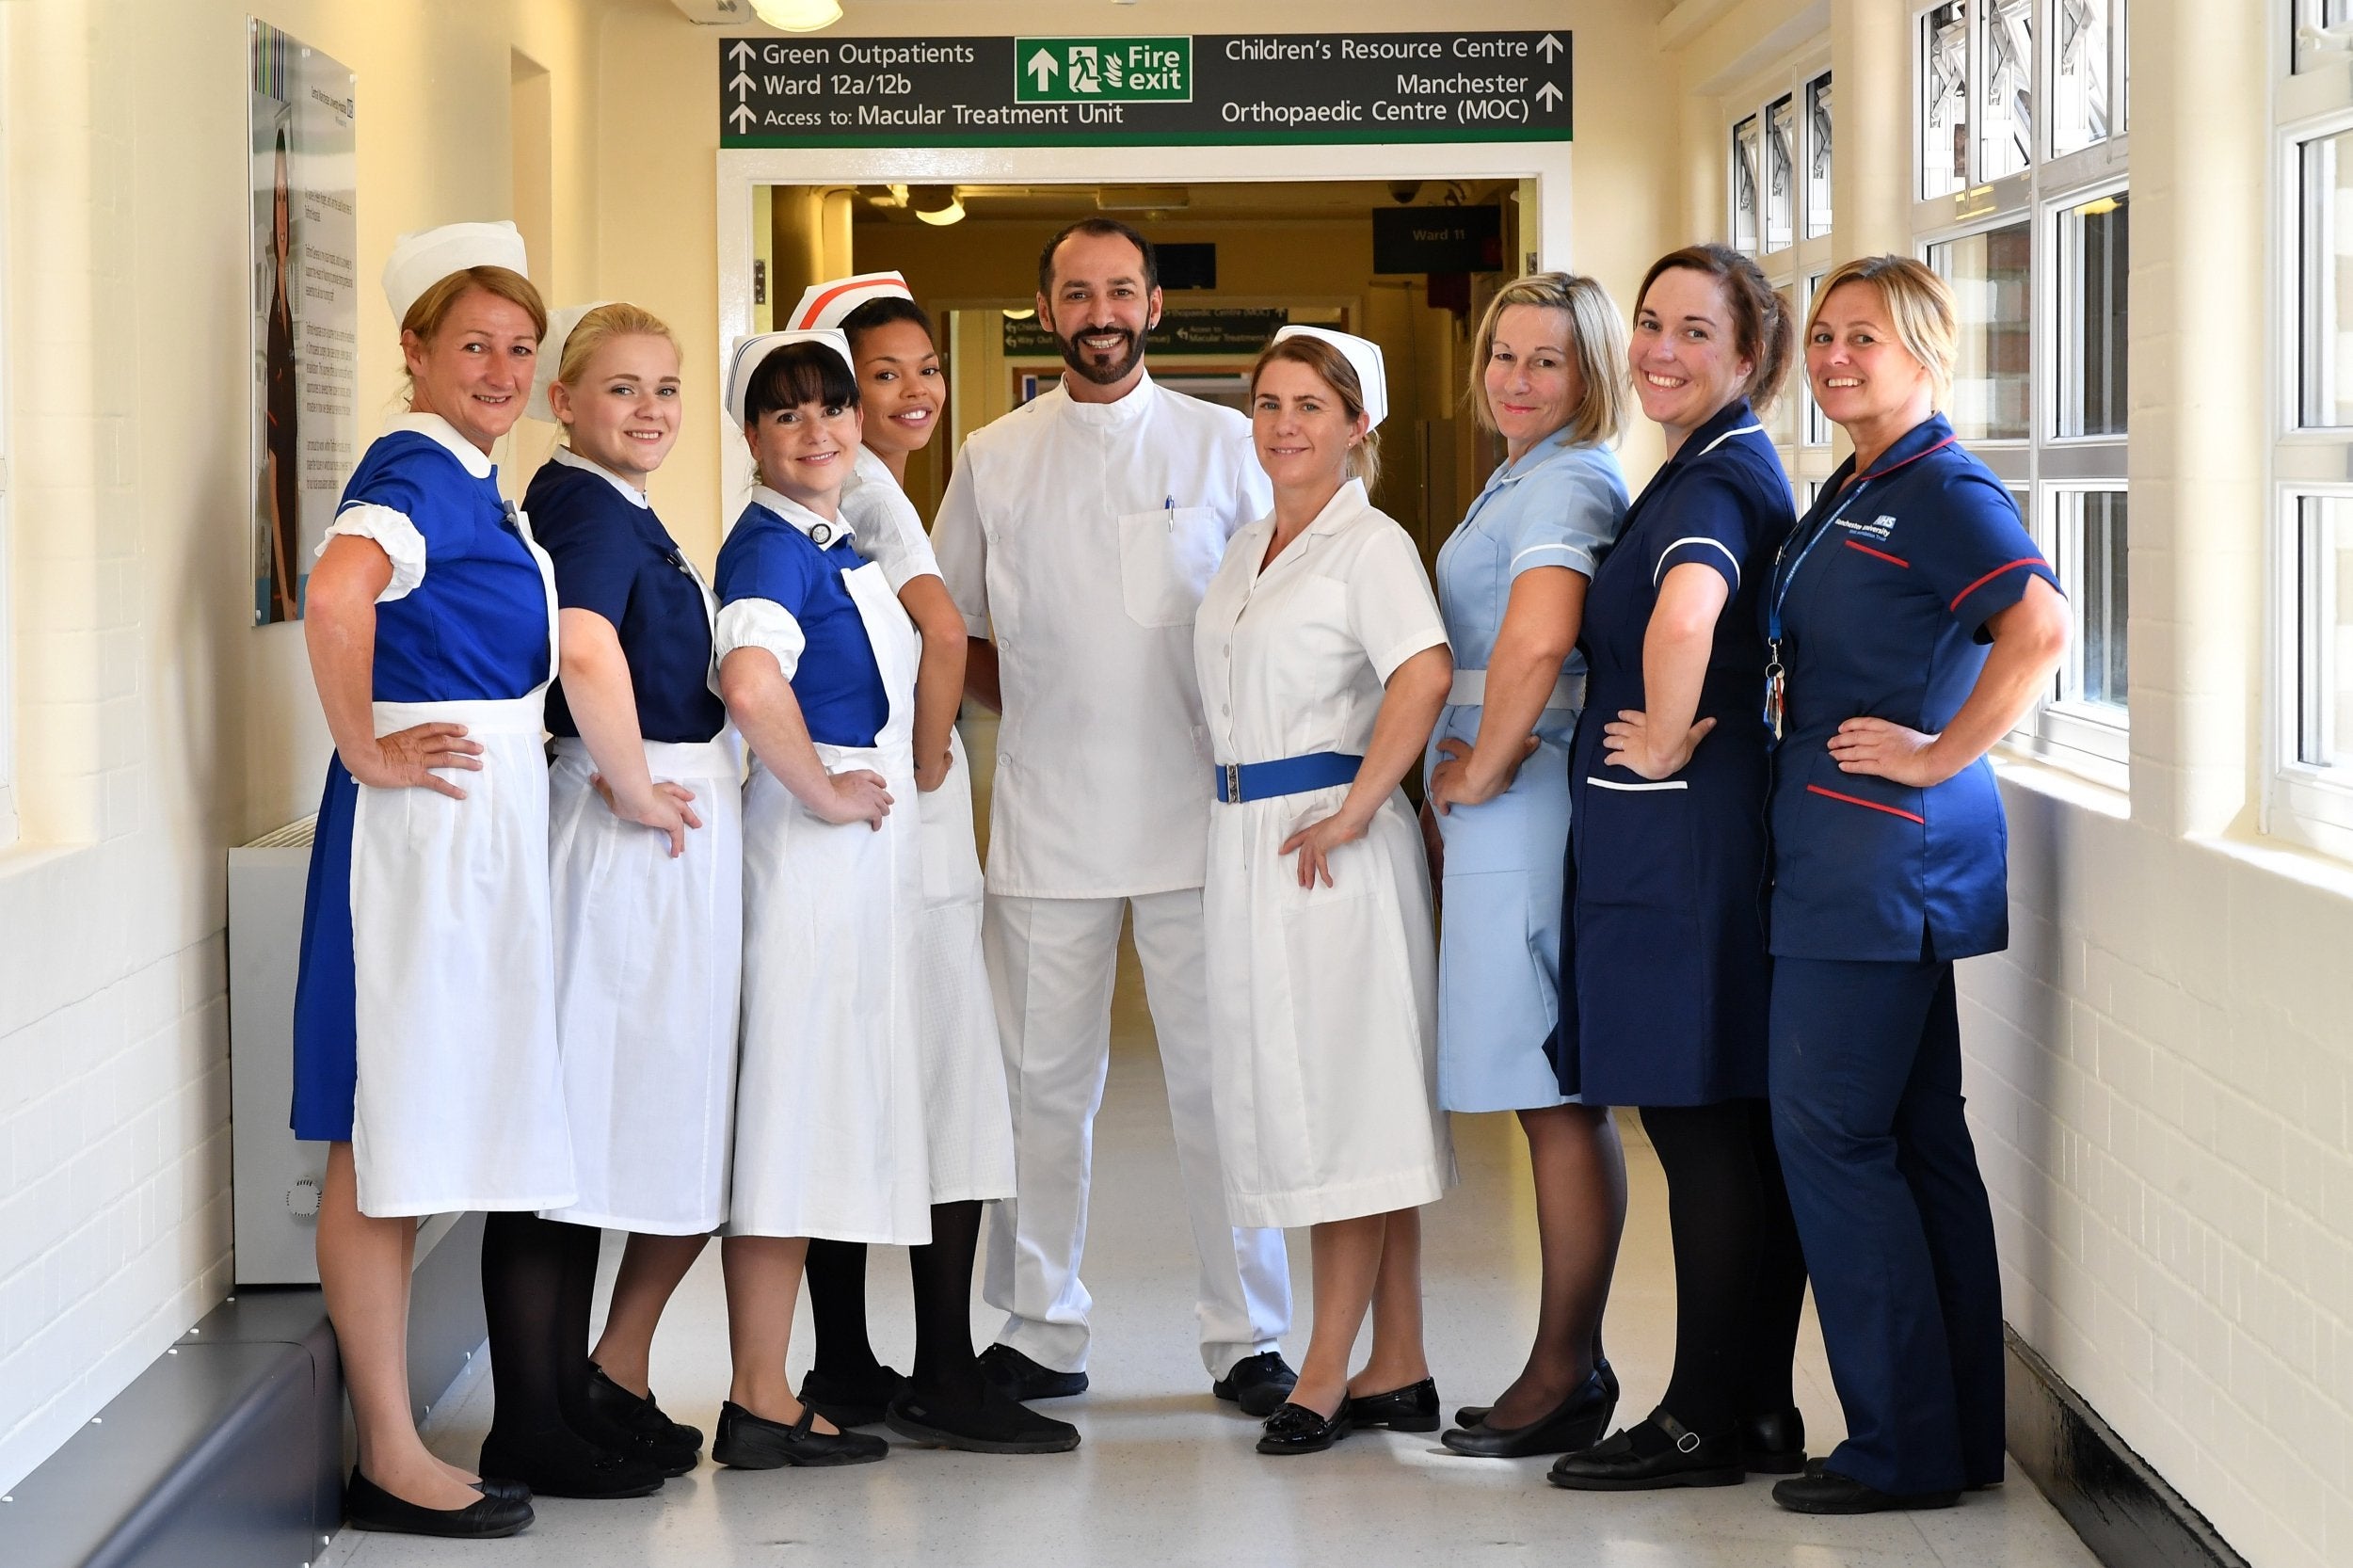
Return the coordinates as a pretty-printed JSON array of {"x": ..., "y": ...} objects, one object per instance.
[{"x": 305, "y": 308}]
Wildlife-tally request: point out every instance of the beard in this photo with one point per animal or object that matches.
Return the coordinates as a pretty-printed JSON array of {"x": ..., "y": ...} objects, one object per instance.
[{"x": 1100, "y": 370}]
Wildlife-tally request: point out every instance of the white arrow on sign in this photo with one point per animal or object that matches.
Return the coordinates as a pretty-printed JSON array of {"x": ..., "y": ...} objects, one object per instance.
[
  {"x": 742, "y": 52},
  {"x": 742, "y": 86},
  {"x": 1043, "y": 66},
  {"x": 743, "y": 117},
  {"x": 1548, "y": 95},
  {"x": 1549, "y": 47}
]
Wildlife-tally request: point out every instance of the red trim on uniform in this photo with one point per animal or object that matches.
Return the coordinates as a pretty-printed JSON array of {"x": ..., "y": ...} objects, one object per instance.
[
  {"x": 1907, "y": 461},
  {"x": 817, "y": 306},
  {"x": 1858, "y": 800},
  {"x": 2010, "y": 566},
  {"x": 1854, "y": 544}
]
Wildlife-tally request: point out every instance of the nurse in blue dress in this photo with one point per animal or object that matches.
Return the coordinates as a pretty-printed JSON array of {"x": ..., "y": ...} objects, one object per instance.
[
  {"x": 424, "y": 1020},
  {"x": 1666, "y": 930},
  {"x": 1548, "y": 377},
  {"x": 1912, "y": 622}
]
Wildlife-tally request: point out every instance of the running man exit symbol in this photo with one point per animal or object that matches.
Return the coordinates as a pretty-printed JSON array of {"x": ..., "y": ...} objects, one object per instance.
[{"x": 1099, "y": 70}]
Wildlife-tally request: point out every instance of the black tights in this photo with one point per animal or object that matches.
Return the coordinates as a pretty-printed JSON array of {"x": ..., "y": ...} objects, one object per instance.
[
  {"x": 539, "y": 1282},
  {"x": 1739, "y": 1276},
  {"x": 941, "y": 1273}
]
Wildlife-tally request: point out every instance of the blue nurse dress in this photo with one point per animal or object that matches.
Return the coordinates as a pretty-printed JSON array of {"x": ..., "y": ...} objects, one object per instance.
[{"x": 1560, "y": 505}]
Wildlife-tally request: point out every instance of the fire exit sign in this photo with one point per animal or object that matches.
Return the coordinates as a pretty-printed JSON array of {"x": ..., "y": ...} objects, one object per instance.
[{"x": 1102, "y": 69}]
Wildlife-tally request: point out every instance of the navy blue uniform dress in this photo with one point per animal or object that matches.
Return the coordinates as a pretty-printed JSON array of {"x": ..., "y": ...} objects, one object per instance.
[
  {"x": 1880, "y": 601},
  {"x": 464, "y": 618},
  {"x": 1663, "y": 924}
]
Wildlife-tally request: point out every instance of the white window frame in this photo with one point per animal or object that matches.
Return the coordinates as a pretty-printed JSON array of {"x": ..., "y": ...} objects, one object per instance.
[{"x": 1792, "y": 267}]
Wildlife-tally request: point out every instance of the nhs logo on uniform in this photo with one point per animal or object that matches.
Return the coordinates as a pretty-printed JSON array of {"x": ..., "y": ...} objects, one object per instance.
[{"x": 1878, "y": 528}]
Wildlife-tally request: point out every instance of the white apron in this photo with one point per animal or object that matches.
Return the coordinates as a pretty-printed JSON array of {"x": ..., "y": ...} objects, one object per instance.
[
  {"x": 829, "y": 1134},
  {"x": 459, "y": 1103},
  {"x": 965, "y": 1105}
]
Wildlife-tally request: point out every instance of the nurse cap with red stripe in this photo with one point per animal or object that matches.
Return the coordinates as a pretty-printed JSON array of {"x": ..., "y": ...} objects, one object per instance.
[{"x": 829, "y": 304}]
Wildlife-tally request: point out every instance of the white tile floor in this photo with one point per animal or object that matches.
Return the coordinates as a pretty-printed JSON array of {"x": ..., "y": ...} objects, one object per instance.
[{"x": 1166, "y": 1475}]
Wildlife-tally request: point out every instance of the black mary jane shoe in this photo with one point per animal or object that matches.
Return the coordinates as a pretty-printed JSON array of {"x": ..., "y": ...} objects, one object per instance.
[
  {"x": 1024, "y": 1380},
  {"x": 860, "y": 1401},
  {"x": 749, "y": 1442},
  {"x": 1471, "y": 1415},
  {"x": 1294, "y": 1428},
  {"x": 1773, "y": 1444},
  {"x": 369, "y": 1507},
  {"x": 1822, "y": 1490},
  {"x": 638, "y": 1413},
  {"x": 991, "y": 1423},
  {"x": 1411, "y": 1408},
  {"x": 1660, "y": 1452},
  {"x": 1260, "y": 1384},
  {"x": 570, "y": 1466},
  {"x": 1577, "y": 1422}
]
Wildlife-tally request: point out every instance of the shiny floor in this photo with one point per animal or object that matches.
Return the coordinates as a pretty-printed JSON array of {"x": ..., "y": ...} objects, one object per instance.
[{"x": 1166, "y": 1475}]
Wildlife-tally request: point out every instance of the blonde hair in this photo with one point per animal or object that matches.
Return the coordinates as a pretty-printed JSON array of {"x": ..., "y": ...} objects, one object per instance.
[
  {"x": 1363, "y": 458},
  {"x": 429, "y": 312},
  {"x": 1596, "y": 341},
  {"x": 1919, "y": 309},
  {"x": 600, "y": 326}
]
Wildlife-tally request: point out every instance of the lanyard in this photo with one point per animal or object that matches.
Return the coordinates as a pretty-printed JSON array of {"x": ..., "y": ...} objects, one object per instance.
[{"x": 1776, "y": 681}]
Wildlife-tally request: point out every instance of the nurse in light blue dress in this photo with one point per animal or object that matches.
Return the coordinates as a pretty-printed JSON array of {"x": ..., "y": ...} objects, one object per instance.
[{"x": 1511, "y": 584}]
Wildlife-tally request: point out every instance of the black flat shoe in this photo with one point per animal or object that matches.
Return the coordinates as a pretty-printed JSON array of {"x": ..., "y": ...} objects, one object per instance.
[
  {"x": 369, "y": 1507},
  {"x": 1577, "y": 1422},
  {"x": 749, "y": 1442},
  {"x": 1260, "y": 1384},
  {"x": 1659, "y": 1452},
  {"x": 1471, "y": 1415},
  {"x": 1294, "y": 1428},
  {"x": 567, "y": 1467},
  {"x": 847, "y": 1403},
  {"x": 1024, "y": 1380},
  {"x": 1773, "y": 1444},
  {"x": 637, "y": 1412},
  {"x": 993, "y": 1424},
  {"x": 512, "y": 1491},
  {"x": 1822, "y": 1491},
  {"x": 1411, "y": 1408}
]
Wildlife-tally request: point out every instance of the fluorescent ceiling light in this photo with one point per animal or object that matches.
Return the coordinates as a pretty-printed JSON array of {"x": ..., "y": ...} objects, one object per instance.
[
  {"x": 952, "y": 212},
  {"x": 937, "y": 205},
  {"x": 798, "y": 16}
]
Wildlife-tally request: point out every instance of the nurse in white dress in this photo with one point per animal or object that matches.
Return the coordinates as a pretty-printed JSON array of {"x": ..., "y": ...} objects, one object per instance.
[
  {"x": 1323, "y": 663},
  {"x": 425, "y": 1017}
]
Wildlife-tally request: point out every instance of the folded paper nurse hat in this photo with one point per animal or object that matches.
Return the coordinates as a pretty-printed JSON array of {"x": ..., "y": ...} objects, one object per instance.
[
  {"x": 829, "y": 304},
  {"x": 1364, "y": 356},
  {"x": 550, "y": 357},
  {"x": 752, "y": 352},
  {"x": 421, "y": 260}
]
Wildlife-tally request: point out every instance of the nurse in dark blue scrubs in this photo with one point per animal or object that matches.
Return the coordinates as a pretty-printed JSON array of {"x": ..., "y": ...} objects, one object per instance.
[
  {"x": 1910, "y": 621},
  {"x": 1664, "y": 926}
]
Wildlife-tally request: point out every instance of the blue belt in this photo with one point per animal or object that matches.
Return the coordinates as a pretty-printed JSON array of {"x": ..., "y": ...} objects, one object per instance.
[{"x": 1238, "y": 782}]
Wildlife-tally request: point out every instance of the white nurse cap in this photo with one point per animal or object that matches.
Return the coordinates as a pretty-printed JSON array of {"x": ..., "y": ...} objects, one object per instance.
[
  {"x": 421, "y": 260},
  {"x": 828, "y": 304},
  {"x": 1363, "y": 358},
  {"x": 551, "y": 356},
  {"x": 752, "y": 352}
]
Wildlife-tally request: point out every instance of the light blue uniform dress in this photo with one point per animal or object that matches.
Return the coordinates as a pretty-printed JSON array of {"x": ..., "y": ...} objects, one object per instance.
[{"x": 1500, "y": 937}]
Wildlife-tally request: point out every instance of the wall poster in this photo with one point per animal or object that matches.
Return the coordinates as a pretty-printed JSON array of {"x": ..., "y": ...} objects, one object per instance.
[{"x": 302, "y": 174}]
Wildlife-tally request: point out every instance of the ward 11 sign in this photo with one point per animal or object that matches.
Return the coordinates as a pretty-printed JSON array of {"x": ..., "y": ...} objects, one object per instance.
[{"x": 1266, "y": 88}]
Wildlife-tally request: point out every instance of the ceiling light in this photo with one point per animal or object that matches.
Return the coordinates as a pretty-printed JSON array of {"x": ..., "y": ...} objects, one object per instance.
[
  {"x": 952, "y": 212},
  {"x": 798, "y": 16},
  {"x": 937, "y": 205}
]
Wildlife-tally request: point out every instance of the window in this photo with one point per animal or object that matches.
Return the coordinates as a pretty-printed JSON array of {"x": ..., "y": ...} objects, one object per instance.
[
  {"x": 1945, "y": 100},
  {"x": 1816, "y": 422},
  {"x": 2094, "y": 263},
  {"x": 1779, "y": 211},
  {"x": 2081, "y": 64},
  {"x": 1990, "y": 282},
  {"x": 2323, "y": 33},
  {"x": 1817, "y": 106},
  {"x": 1744, "y": 150},
  {"x": 1781, "y": 168},
  {"x": 2091, "y": 545},
  {"x": 2326, "y": 181},
  {"x": 2006, "y": 114}
]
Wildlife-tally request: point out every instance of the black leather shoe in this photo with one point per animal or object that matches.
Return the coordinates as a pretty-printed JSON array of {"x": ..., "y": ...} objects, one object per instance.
[
  {"x": 566, "y": 1466},
  {"x": 1411, "y": 1408},
  {"x": 1471, "y": 1415},
  {"x": 637, "y": 1414},
  {"x": 851, "y": 1401},
  {"x": 993, "y": 1424},
  {"x": 1577, "y": 1422},
  {"x": 512, "y": 1491},
  {"x": 369, "y": 1507},
  {"x": 1294, "y": 1428},
  {"x": 1825, "y": 1491},
  {"x": 1260, "y": 1384},
  {"x": 749, "y": 1442},
  {"x": 1773, "y": 1444},
  {"x": 1024, "y": 1380},
  {"x": 1660, "y": 1452}
]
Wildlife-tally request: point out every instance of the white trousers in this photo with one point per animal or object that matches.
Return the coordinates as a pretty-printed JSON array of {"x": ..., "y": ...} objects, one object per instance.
[{"x": 1051, "y": 962}]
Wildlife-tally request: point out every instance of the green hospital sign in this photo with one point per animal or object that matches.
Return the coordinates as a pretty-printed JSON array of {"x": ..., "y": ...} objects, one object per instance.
[{"x": 1102, "y": 69}]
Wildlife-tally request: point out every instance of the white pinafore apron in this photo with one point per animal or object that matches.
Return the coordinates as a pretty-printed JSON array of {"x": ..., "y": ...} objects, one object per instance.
[
  {"x": 460, "y": 1101},
  {"x": 648, "y": 950},
  {"x": 964, "y": 1103},
  {"x": 829, "y": 1133}
]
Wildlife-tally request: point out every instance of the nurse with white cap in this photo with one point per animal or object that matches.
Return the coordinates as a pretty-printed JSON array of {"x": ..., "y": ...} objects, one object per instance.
[
  {"x": 425, "y": 1013},
  {"x": 1323, "y": 663}
]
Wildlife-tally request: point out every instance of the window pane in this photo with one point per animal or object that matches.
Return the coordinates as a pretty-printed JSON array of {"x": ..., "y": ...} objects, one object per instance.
[
  {"x": 2080, "y": 74},
  {"x": 1781, "y": 171},
  {"x": 2325, "y": 630},
  {"x": 2102, "y": 593},
  {"x": 1945, "y": 100},
  {"x": 1818, "y": 157},
  {"x": 1990, "y": 287},
  {"x": 1744, "y": 150},
  {"x": 2326, "y": 326},
  {"x": 2007, "y": 76},
  {"x": 2314, "y": 49},
  {"x": 1816, "y": 422},
  {"x": 1787, "y": 420},
  {"x": 2094, "y": 258}
]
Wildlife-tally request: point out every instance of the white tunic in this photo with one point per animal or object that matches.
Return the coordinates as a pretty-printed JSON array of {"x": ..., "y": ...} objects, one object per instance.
[
  {"x": 1323, "y": 1000},
  {"x": 1080, "y": 536}
]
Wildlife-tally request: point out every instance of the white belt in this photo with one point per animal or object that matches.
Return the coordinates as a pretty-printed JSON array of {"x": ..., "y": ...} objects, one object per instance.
[
  {"x": 514, "y": 715},
  {"x": 673, "y": 759},
  {"x": 1470, "y": 691}
]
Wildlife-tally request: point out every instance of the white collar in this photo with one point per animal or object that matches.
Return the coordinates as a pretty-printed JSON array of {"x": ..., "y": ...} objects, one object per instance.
[
  {"x": 1135, "y": 406},
  {"x": 569, "y": 458},
  {"x": 821, "y": 533},
  {"x": 476, "y": 460}
]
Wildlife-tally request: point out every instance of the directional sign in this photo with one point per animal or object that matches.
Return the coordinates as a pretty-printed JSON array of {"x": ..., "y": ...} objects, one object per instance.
[{"x": 1260, "y": 88}]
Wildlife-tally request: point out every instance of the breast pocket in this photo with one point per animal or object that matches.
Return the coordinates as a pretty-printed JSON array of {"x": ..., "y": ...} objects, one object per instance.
[{"x": 1167, "y": 559}]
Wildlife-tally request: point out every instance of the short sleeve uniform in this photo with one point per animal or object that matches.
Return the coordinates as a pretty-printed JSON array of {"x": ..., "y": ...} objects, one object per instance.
[
  {"x": 780, "y": 588},
  {"x": 1665, "y": 905},
  {"x": 1884, "y": 591},
  {"x": 889, "y": 530}
]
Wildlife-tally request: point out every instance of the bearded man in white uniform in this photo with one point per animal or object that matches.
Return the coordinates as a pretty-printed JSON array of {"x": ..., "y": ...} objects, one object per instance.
[{"x": 1077, "y": 537}]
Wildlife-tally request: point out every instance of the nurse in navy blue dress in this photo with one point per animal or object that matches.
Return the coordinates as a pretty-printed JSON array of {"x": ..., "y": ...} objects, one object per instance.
[
  {"x": 1910, "y": 621},
  {"x": 1665, "y": 932}
]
